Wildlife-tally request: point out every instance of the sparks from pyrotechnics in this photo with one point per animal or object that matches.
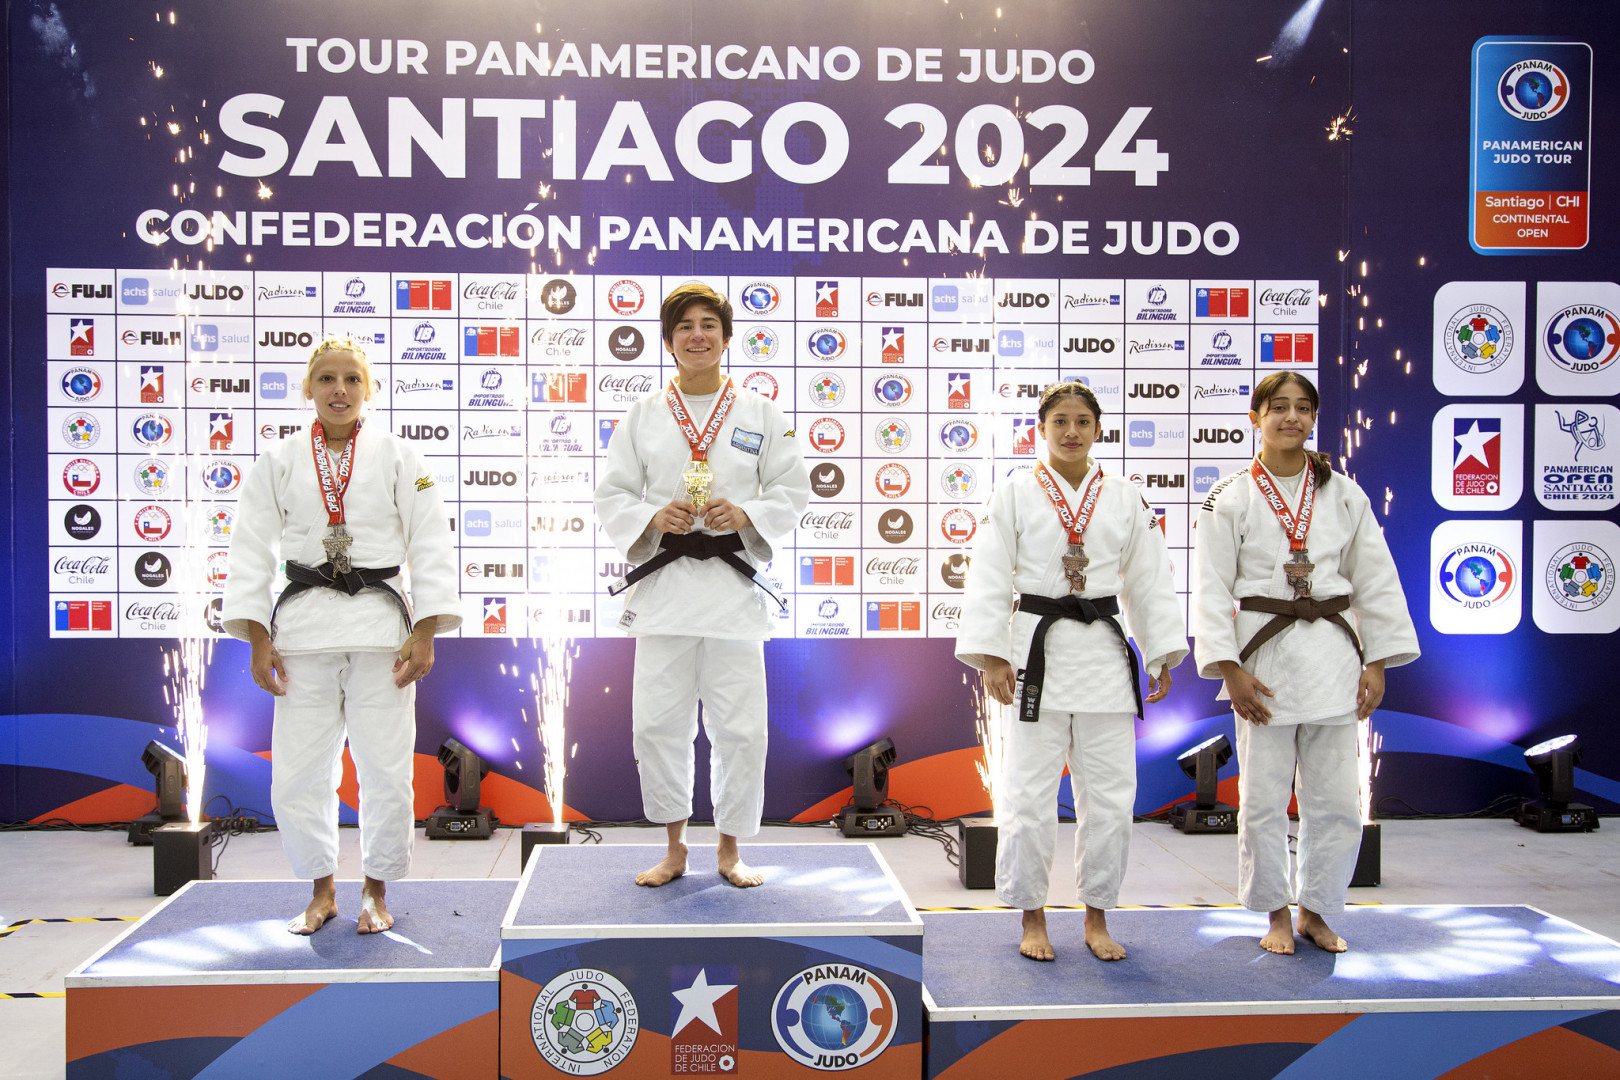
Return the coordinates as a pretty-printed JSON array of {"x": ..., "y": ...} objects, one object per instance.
[
  {"x": 1339, "y": 129},
  {"x": 989, "y": 720}
]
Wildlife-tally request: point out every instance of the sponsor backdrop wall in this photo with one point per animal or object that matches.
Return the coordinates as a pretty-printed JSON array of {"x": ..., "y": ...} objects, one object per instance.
[{"x": 922, "y": 213}]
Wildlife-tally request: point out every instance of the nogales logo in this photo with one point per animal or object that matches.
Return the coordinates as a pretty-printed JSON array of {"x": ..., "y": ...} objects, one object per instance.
[
  {"x": 82, "y": 522},
  {"x": 558, "y": 296},
  {"x": 1583, "y": 338},
  {"x": 834, "y": 1017},
  {"x": 1533, "y": 90},
  {"x": 584, "y": 1022},
  {"x": 760, "y": 298},
  {"x": 953, "y": 570},
  {"x": 626, "y": 343},
  {"x": 826, "y": 480},
  {"x": 1580, "y": 577},
  {"x": 152, "y": 569},
  {"x": 1477, "y": 575},
  {"x": 895, "y": 526},
  {"x": 1479, "y": 338}
]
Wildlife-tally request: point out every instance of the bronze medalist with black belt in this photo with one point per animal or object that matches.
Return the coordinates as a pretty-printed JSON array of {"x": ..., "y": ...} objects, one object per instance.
[
  {"x": 700, "y": 546},
  {"x": 1050, "y": 610},
  {"x": 1287, "y": 611}
]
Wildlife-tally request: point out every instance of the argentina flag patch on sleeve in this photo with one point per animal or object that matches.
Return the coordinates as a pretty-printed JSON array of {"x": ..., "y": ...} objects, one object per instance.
[{"x": 750, "y": 441}]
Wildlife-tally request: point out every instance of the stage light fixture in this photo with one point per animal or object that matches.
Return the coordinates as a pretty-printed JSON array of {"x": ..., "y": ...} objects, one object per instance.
[
  {"x": 1554, "y": 763},
  {"x": 868, "y": 769},
  {"x": 461, "y": 818},
  {"x": 1207, "y": 814},
  {"x": 169, "y": 777}
]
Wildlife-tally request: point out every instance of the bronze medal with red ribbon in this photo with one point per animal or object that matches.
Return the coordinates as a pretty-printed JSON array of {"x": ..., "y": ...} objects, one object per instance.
[
  {"x": 699, "y": 477},
  {"x": 1295, "y": 526},
  {"x": 334, "y": 482},
  {"x": 1075, "y": 561}
]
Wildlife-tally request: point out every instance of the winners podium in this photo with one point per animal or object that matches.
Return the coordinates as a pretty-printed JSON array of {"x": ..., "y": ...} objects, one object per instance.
[{"x": 818, "y": 969}]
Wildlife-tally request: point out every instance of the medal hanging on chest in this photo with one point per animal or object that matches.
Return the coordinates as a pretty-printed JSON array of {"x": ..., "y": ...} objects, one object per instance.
[
  {"x": 334, "y": 482},
  {"x": 1295, "y": 526},
  {"x": 1075, "y": 559},
  {"x": 698, "y": 478}
]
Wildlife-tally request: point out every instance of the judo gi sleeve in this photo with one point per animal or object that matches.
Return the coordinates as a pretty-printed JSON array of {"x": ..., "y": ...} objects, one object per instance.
[
  {"x": 1152, "y": 611},
  {"x": 784, "y": 491},
  {"x": 987, "y": 605},
  {"x": 625, "y": 515},
  {"x": 429, "y": 552},
  {"x": 1377, "y": 600},
  {"x": 255, "y": 551},
  {"x": 1215, "y": 563}
]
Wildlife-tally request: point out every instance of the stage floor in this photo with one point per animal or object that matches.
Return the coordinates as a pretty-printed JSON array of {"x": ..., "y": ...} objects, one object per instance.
[
  {"x": 1208, "y": 961},
  {"x": 94, "y": 876}
]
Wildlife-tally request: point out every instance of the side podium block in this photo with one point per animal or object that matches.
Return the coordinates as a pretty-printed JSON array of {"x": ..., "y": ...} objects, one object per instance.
[
  {"x": 211, "y": 982},
  {"x": 820, "y": 968}
]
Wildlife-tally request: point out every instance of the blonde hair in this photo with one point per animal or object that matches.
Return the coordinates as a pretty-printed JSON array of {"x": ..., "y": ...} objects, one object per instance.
[{"x": 341, "y": 343}]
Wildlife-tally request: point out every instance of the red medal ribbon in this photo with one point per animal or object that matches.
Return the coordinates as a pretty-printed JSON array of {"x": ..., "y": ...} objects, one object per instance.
[
  {"x": 717, "y": 418},
  {"x": 1294, "y": 526},
  {"x": 332, "y": 487},
  {"x": 1075, "y": 524}
]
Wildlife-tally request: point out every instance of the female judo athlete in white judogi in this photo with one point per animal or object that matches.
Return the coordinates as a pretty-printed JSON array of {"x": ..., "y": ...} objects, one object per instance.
[
  {"x": 702, "y": 482},
  {"x": 1298, "y": 609},
  {"x": 1067, "y": 544},
  {"x": 344, "y": 505}
]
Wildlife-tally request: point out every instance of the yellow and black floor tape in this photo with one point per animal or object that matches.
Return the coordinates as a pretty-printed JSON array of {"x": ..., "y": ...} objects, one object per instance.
[{"x": 12, "y": 928}]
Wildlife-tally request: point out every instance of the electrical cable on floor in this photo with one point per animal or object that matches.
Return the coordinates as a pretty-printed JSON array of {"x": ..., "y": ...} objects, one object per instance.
[{"x": 1503, "y": 806}]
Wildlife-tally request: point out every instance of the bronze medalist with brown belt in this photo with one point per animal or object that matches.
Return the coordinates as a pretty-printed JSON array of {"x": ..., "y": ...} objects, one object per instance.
[{"x": 1287, "y": 611}]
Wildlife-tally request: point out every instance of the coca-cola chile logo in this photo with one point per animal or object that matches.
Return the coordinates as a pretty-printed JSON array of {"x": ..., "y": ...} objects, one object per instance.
[
  {"x": 901, "y": 566},
  {"x": 86, "y": 566},
  {"x": 1295, "y": 298},
  {"x": 567, "y": 337},
  {"x": 637, "y": 384},
  {"x": 831, "y": 520},
  {"x": 163, "y": 611},
  {"x": 491, "y": 290}
]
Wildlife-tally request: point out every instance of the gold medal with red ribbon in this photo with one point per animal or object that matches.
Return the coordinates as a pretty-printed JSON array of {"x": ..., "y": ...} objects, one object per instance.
[
  {"x": 699, "y": 477},
  {"x": 1295, "y": 526},
  {"x": 334, "y": 482},
  {"x": 1076, "y": 560}
]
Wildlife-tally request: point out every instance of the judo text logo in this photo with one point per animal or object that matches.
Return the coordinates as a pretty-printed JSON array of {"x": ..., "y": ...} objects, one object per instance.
[
  {"x": 834, "y": 1017},
  {"x": 584, "y": 1022}
]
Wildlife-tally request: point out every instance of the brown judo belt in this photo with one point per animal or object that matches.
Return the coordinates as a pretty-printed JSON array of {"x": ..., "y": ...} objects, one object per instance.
[{"x": 1287, "y": 611}]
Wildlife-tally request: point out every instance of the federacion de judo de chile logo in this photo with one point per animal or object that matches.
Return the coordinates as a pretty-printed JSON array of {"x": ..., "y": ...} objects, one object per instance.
[
  {"x": 1583, "y": 338},
  {"x": 1580, "y": 576},
  {"x": 834, "y": 1017},
  {"x": 1533, "y": 90},
  {"x": 584, "y": 1022},
  {"x": 1477, "y": 575},
  {"x": 1479, "y": 338}
]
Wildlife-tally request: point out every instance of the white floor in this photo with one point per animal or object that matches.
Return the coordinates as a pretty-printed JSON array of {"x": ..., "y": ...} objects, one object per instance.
[{"x": 75, "y": 875}]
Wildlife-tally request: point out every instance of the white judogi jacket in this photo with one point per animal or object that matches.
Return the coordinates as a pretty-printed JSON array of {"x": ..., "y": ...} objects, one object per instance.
[
  {"x": 396, "y": 517},
  {"x": 1239, "y": 550},
  {"x": 758, "y": 464},
  {"x": 1020, "y": 547}
]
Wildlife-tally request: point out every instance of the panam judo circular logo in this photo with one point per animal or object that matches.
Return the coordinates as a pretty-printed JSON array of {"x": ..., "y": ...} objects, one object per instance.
[
  {"x": 1479, "y": 338},
  {"x": 1533, "y": 90},
  {"x": 584, "y": 1022},
  {"x": 1580, "y": 577},
  {"x": 1583, "y": 338},
  {"x": 1477, "y": 575},
  {"x": 834, "y": 1017}
]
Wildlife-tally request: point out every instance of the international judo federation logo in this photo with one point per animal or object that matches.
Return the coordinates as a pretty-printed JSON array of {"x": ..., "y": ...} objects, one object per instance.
[
  {"x": 1580, "y": 577},
  {"x": 1477, "y": 575},
  {"x": 1583, "y": 338},
  {"x": 584, "y": 1022},
  {"x": 1533, "y": 90},
  {"x": 1479, "y": 338},
  {"x": 834, "y": 1017}
]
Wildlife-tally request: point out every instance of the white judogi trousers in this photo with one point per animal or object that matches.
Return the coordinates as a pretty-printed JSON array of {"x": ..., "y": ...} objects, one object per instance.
[
  {"x": 1100, "y": 749},
  {"x": 672, "y": 674},
  {"x": 1324, "y": 757},
  {"x": 330, "y": 694}
]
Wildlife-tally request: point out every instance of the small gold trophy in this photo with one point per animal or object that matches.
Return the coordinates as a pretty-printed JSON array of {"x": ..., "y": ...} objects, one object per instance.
[{"x": 698, "y": 478}]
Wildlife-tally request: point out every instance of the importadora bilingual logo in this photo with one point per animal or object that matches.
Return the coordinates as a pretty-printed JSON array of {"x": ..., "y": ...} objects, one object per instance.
[{"x": 834, "y": 1017}]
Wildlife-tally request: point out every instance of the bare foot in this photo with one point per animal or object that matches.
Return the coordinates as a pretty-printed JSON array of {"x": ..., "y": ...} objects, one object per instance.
[
  {"x": 1313, "y": 926},
  {"x": 669, "y": 868},
  {"x": 1280, "y": 938},
  {"x": 322, "y": 906},
  {"x": 1035, "y": 944},
  {"x": 374, "y": 917},
  {"x": 1098, "y": 939},
  {"x": 739, "y": 873}
]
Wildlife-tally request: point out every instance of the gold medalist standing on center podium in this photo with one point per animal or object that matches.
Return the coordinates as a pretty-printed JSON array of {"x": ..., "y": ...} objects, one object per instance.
[{"x": 701, "y": 485}]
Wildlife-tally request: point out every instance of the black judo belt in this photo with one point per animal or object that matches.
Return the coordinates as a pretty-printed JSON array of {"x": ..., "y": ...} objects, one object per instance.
[
  {"x": 699, "y": 546},
  {"x": 1050, "y": 610},
  {"x": 1287, "y": 611},
  {"x": 358, "y": 579}
]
